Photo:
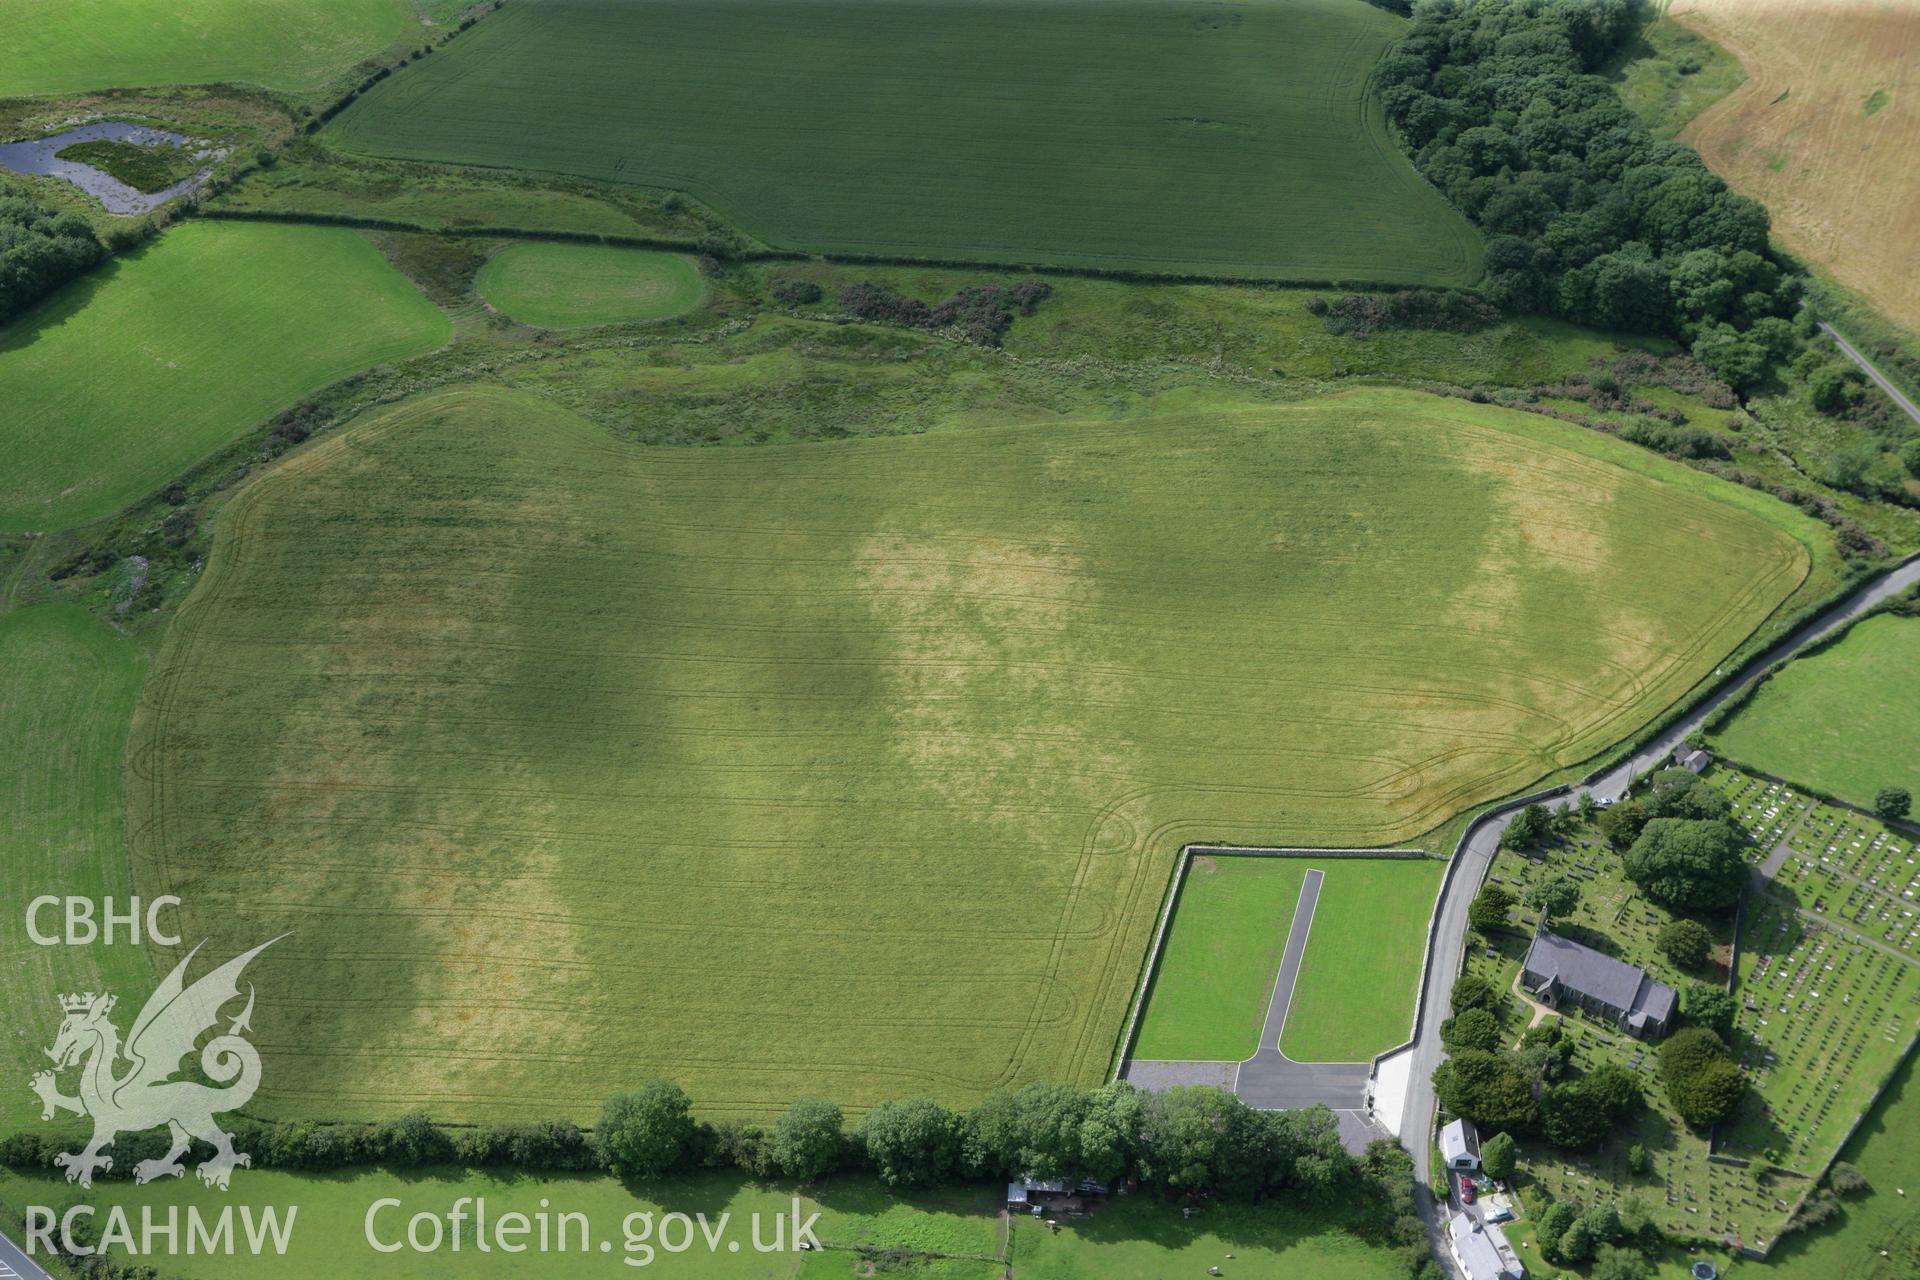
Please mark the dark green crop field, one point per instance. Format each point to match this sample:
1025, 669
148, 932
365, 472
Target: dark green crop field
1220, 139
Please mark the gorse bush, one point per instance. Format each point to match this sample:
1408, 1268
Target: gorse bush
1446, 309
982, 313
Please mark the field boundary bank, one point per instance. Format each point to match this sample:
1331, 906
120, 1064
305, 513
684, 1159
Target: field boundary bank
1150, 968
775, 254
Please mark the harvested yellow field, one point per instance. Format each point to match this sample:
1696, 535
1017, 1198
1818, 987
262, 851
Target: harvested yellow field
1824, 132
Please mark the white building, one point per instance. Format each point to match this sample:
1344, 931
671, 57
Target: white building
1482, 1250
1460, 1146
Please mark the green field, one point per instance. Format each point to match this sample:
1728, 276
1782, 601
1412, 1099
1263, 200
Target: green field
1841, 720
1878, 1237
118, 382
1154, 135
104, 44
858, 769
329, 1237
67, 688
564, 286
952, 1233
1136, 1239
1357, 982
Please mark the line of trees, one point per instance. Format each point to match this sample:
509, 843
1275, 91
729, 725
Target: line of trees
41, 249
1586, 214
1193, 1139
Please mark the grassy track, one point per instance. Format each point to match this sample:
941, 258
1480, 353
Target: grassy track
1841, 720
119, 381
1356, 989
858, 768
563, 286
107, 44
67, 688
1161, 136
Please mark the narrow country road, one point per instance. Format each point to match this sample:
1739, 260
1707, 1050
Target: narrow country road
1482, 838
15, 1263
1866, 366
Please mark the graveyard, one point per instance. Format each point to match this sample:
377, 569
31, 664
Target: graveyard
1823, 959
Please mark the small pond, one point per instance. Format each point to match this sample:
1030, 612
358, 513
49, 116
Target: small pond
40, 155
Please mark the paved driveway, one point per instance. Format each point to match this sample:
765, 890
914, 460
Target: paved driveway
1269, 1079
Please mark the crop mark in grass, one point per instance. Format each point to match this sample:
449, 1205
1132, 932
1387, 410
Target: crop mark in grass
854, 769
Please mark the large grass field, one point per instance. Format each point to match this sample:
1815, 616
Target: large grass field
105, 44
565, 286
949, 1233
1842, 720
1355, 994
1152, 135
67, 688
1136, 1239
957, 1226
119, 381
1358, 981
859, 768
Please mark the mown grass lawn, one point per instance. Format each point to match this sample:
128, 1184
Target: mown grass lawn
565, 286
105, 44
1355, 993
1841, 720
1160, 137
122, 379
1223, 948
1361, 973
67, 687
858, 768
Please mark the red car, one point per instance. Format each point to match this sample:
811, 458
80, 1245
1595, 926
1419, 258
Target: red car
1467, 1193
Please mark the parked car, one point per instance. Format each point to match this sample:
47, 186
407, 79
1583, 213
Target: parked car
1467, 1193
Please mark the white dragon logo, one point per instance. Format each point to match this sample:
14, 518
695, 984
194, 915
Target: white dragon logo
146, 1095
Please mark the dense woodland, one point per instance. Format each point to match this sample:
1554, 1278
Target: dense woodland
40, 250
1586, 215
